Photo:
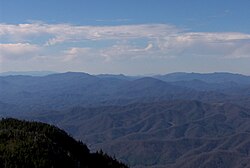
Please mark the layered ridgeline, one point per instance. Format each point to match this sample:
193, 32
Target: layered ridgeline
21, 94
174, 134
176, 120
37, 145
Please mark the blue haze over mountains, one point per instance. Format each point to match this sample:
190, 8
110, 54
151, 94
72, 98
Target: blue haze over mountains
145, 121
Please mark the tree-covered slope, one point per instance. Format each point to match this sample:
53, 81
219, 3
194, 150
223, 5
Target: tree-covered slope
37, 145
172, 134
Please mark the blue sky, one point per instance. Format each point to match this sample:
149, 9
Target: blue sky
125, 36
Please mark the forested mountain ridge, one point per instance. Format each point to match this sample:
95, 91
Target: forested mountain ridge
157, 121
33, 144
60, 91
162, 133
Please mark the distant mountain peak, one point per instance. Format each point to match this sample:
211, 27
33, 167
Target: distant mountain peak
72, 75
215, 77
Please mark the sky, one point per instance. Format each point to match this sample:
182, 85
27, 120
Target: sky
133, 37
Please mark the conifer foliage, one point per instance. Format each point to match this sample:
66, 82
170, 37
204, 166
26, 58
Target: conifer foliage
32, 144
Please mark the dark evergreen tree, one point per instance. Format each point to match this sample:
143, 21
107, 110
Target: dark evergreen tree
32, 144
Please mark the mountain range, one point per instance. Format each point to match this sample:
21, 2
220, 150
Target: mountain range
175, 120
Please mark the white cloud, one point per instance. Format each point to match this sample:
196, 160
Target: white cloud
74, 53
159, 41
150, 46
242, 51
67, 32
204, 44
126, 51
17, 51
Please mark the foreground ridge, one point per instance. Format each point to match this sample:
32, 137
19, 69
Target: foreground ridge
39, 145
